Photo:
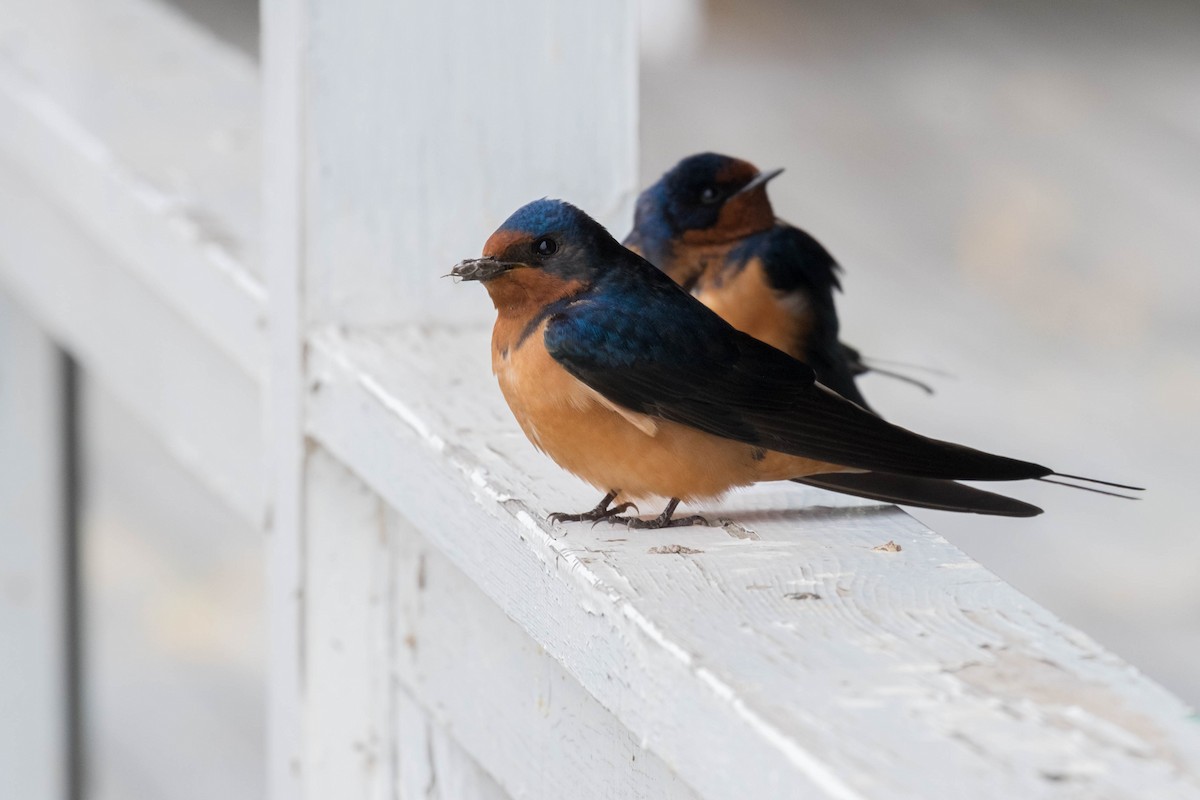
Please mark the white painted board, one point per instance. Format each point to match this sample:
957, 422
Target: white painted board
401, 645
33, 714
426, 123
787, 654
144, 131
206, 408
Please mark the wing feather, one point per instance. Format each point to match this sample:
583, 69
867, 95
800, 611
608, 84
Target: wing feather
657, 351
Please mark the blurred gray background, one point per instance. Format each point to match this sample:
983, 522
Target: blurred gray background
1014, 192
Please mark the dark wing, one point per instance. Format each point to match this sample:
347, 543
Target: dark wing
656, 350
921, 492
795, 262
829, 361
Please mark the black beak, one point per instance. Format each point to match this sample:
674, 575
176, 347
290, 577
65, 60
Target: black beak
759, 180
480, 269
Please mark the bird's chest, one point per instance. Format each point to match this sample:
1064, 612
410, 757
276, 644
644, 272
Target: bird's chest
745, 299
607, 445
688, 264
548, 402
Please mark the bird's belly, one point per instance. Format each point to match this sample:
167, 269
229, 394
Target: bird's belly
612, 448
747, 302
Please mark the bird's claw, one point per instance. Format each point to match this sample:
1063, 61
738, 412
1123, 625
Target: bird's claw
595, 515
658, 522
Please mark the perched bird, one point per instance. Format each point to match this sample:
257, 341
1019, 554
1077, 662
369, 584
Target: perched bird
708, 224
639, 389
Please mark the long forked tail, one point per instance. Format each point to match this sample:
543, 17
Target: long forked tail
936, 493
1126, 487
924, 387
860, 366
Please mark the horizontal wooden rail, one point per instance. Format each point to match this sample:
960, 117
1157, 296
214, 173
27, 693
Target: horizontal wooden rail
129, 219
811, 645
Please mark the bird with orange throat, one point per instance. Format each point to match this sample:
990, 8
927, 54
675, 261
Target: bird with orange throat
709, 224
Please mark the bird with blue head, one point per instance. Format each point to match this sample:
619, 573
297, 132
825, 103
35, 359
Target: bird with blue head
709, 224
635, 386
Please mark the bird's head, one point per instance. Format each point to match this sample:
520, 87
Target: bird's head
707, 198
544, 244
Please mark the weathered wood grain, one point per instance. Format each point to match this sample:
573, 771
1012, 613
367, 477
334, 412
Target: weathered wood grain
787, 655
509, 702
433, 765
401, 648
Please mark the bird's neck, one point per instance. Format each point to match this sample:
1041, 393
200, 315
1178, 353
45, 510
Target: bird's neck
744, 215
523, 297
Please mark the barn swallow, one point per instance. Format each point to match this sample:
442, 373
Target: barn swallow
638, 388
709, 225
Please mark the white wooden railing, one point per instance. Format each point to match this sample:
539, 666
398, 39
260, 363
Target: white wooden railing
431, 635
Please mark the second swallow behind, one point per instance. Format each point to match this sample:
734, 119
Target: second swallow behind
708, 223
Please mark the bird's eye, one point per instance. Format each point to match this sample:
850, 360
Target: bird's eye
545, 246
708, 195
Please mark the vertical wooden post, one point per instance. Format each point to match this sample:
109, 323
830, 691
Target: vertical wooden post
397, 135
426, 124
282, 193
34, 729
350, 753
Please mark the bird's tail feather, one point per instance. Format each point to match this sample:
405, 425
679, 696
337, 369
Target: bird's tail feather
924, 387
859, 365
1126, 487
944, 495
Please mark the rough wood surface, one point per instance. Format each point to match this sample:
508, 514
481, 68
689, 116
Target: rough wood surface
779, 654
402, 648
434, 766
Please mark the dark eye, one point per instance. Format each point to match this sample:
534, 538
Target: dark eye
708, 195
545, 246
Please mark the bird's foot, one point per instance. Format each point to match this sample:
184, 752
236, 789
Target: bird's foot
663, 520
595, 515
600, 512
658, 522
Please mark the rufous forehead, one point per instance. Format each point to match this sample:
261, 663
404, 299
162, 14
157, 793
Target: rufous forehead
736, 171
502, 240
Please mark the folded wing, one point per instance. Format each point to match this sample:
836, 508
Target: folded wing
921, 492
655, 350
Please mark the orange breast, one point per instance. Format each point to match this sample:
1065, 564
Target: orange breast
617, 449
747, 302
